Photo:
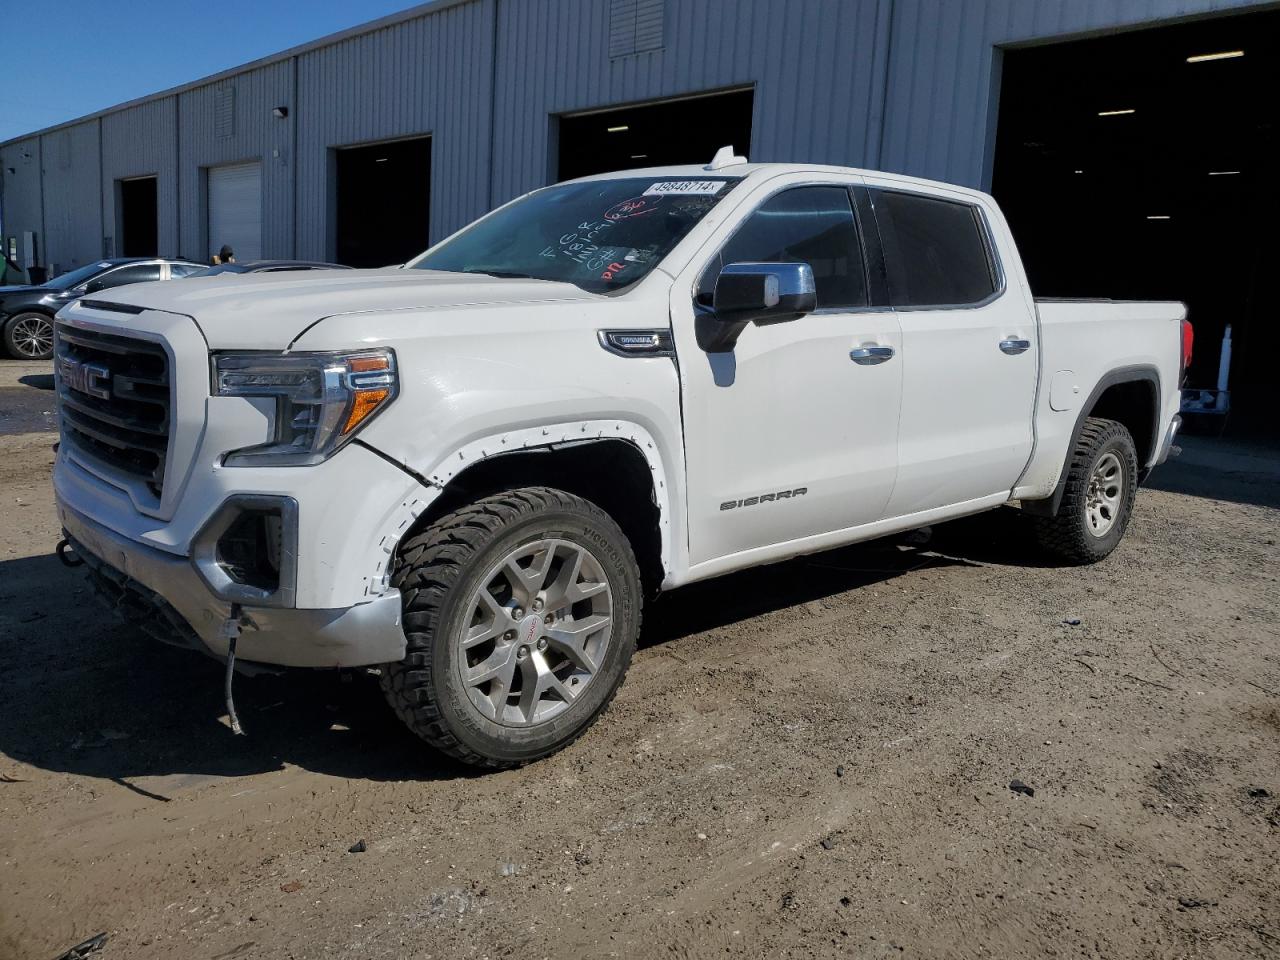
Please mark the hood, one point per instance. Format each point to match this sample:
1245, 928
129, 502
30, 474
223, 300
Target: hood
25, 288
268, 311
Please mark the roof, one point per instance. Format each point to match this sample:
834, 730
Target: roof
249, 266
413, 13
741, 171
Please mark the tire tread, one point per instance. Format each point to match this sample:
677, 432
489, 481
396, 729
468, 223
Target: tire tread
428, 566
1063, 535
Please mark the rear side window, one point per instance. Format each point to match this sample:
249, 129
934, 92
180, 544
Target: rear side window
135, 273
935, 250
812, 225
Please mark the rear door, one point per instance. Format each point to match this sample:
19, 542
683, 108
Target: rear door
788, 436
969, 350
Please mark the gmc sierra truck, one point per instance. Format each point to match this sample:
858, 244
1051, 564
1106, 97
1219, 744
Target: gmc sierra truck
469, 473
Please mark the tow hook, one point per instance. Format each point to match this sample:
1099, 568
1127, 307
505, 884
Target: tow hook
231, 631
67, 554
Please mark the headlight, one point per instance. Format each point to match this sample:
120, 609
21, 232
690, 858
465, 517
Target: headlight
322, 399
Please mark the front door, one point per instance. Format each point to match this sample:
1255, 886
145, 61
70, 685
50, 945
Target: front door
793, 432
969, 351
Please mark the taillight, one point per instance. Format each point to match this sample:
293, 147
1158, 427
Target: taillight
1188, 339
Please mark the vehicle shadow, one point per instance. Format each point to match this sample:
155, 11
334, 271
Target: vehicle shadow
1222, 469
999, 537
41, 381
89, 695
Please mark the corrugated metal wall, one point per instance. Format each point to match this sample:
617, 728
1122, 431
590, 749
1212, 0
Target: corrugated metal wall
136, 142
20, 177
251, 132
943, 78
431, 76
72, 212
813, 65
906, 85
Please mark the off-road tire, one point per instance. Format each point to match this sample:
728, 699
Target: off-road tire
27, 317
437, 572
1066, 537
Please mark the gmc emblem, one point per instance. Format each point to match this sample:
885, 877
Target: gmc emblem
91, 378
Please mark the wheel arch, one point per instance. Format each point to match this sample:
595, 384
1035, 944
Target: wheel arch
618, 469
1129, 395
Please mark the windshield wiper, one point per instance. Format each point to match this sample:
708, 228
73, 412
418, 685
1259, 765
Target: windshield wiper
506, 274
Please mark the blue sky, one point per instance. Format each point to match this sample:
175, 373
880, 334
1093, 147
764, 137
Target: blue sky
85, 55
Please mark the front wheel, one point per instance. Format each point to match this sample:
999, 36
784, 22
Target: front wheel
29, 336
521, 613
1102, 481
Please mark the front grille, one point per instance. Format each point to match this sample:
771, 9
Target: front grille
127, 430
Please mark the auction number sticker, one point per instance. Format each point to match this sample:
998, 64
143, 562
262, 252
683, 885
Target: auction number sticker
687, 188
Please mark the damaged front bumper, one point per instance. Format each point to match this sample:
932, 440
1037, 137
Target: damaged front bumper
165, 595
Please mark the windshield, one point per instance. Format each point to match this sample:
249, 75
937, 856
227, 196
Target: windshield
71, 278
601, 235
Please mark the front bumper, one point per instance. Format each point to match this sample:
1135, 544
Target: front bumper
360, 635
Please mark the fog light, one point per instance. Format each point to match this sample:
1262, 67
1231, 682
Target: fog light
247, 552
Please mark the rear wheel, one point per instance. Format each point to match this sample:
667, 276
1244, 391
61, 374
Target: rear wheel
1102, 481
521, 613
29, 336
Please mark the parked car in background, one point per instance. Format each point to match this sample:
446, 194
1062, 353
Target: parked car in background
26, 312
267, 266
471, 473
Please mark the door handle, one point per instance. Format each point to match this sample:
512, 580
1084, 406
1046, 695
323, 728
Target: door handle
1015, 347
868, 356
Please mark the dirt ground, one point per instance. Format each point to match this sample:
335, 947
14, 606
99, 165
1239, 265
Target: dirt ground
808, 760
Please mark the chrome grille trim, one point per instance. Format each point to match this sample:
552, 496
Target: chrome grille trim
128, 431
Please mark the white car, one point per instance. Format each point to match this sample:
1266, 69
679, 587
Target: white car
471, 472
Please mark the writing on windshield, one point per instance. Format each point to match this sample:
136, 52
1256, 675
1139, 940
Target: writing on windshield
600, 235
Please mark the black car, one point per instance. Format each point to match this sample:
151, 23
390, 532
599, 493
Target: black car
26, 313
267, 266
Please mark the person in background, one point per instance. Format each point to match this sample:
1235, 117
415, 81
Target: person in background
226, 254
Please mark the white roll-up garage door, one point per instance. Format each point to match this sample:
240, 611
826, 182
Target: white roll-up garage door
235, 210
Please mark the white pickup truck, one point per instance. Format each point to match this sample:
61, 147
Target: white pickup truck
470, 472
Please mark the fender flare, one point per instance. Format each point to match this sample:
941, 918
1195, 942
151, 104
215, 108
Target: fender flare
545, 436
1135, 373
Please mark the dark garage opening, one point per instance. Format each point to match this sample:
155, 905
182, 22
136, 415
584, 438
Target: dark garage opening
1142, 165
383, 202
690, 130
139, 220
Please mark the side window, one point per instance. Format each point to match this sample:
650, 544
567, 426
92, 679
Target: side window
813, 225
136, 273
179, 270
935, 250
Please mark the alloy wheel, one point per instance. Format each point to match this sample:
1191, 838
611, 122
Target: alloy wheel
537, 631
32, 336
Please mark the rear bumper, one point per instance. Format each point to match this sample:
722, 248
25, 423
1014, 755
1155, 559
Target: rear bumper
168, 584
1166, 442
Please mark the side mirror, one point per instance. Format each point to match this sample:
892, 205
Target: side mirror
94, 285
759, 293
